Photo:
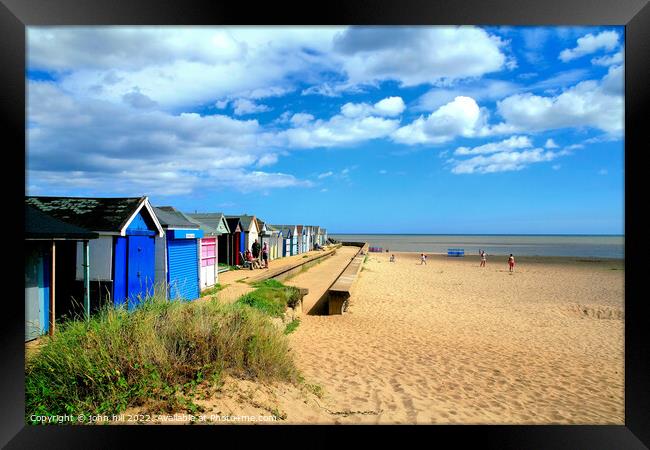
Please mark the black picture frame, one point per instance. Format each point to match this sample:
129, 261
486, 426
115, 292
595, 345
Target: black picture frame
16, 15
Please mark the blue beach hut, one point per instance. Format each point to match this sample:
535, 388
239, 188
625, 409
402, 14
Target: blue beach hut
177, 254
122, 259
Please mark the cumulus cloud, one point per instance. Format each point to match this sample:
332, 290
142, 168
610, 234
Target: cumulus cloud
550, 143
357, 122
479, 90
244, 106
606, 40
325, 175
418, 55
389, 107
460, 117
114, 148
616, 58
502, 161
512, 143
587, 104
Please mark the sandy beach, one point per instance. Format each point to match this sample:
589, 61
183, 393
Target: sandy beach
451, 342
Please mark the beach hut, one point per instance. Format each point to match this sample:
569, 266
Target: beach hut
269, 235
236, 246
275, 242
308, 238
122, 259
289, 239
249, 231
214, 245
177, 254
300, 239
43, 236
323, 236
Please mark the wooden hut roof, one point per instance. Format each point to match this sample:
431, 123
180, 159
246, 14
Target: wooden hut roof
109, 214
39, 225
170, 217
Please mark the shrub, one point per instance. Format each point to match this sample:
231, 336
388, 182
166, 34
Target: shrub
119, 359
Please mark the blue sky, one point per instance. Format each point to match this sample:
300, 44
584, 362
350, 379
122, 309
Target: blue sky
357, 129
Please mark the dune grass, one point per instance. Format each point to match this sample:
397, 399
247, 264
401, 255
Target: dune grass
271, 297
212, 290
119, 359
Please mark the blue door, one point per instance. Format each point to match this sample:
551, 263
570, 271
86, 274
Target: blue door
140, 271
183, 267
242, 244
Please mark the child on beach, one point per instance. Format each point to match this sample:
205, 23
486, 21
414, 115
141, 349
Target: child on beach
511, 262
423, 259
483, 258
392, 258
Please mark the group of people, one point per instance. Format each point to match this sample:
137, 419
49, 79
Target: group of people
254, 256
511, 260
482, 254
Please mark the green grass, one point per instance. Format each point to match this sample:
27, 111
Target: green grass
212, 290
291, 326
156, 354
271, 297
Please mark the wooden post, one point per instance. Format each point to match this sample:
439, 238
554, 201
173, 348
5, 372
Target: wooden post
52, 288
86, 266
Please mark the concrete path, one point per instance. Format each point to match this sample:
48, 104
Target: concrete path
235, 280
320, 277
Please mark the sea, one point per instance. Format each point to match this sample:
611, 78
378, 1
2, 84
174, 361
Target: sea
586, 246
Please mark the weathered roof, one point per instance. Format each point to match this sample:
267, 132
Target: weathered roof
245, 220
286, 229
170, 217
209, 222
233, 222
39, 225
97, 214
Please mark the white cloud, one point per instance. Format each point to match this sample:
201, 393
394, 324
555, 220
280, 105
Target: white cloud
479, 90
587, 104
299, 119
388, 107
502, 161
418, 55
113, 148
616, 58
325, 175
356, 123
267, 160
512, 143
607, 40
460, 117
556, 166
550, 143
221, 104
324, 190
244, 106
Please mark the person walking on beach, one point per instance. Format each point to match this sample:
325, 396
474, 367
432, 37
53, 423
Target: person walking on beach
423, 259
265, 256
392, 258
511, 262
256, 249
483, 258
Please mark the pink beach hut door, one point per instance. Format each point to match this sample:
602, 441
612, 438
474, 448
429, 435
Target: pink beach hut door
208, 262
